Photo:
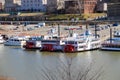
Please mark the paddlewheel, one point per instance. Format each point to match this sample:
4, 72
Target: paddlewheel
69, 48
47, 47
29, 45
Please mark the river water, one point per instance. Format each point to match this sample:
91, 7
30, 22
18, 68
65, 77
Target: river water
23, 64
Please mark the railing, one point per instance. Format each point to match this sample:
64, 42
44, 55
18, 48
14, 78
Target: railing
64, 21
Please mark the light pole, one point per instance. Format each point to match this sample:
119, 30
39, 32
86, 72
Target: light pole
95, 30
110, 35
58, 31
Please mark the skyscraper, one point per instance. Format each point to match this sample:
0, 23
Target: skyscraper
33, 5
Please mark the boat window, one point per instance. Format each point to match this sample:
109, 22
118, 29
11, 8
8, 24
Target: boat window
81, 46
16, 40
50, 41
81, 42
21, 40
11, 39
95, 40
111, 46
71, 42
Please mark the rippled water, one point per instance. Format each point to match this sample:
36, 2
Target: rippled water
35, 65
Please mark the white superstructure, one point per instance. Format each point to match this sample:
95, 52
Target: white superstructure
16, 41
84, 42
113, 43
33, 43
1, 40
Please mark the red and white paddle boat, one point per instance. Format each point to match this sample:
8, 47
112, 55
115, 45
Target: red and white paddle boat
33, 43
52, 45
84, 42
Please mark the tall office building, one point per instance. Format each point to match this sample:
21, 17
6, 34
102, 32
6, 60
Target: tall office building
33, 5
11, 5
114, 10
1, 6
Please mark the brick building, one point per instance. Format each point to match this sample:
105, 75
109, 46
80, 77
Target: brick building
80, 6
1, 7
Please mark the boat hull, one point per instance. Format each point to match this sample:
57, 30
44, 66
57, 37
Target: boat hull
32, 45
110, 49
14, 43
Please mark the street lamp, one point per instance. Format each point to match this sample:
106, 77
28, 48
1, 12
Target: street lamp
110, 35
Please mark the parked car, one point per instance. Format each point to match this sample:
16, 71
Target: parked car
41, 24
115, 24
66, 28
29, 29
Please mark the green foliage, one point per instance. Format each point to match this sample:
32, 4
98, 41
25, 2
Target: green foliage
64, 16
70, 16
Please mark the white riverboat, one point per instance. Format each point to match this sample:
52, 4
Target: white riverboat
112, 43
1, 39
16, 41
84, 42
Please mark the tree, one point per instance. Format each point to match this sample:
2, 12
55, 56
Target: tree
68, 70
80, 6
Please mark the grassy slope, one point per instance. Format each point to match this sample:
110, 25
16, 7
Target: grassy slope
69, 16
61, 16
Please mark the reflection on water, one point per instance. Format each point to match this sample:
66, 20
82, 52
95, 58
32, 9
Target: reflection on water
32, 65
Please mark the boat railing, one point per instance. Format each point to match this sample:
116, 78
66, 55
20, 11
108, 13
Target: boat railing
111, 43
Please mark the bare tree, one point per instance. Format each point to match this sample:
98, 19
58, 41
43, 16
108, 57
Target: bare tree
80, 5
67, 70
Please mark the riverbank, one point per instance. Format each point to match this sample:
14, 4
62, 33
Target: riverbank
31, 30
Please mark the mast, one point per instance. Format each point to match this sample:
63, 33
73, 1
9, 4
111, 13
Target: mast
58, 31
110, 35
95, 30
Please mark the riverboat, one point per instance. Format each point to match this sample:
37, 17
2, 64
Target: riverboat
112, 44
86, 41
52, 45
1, 39
16, 41
33, 43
